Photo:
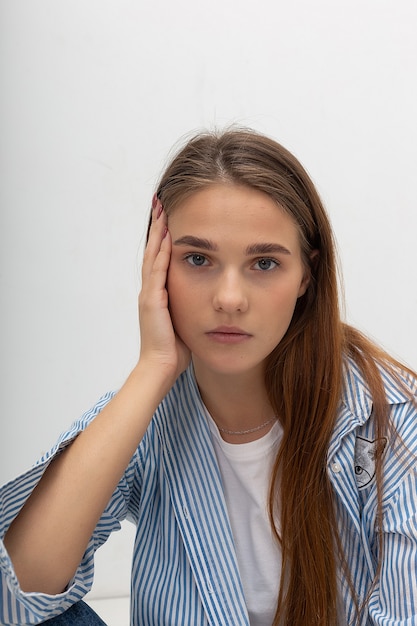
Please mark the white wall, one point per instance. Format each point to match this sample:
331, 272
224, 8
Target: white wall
93, 95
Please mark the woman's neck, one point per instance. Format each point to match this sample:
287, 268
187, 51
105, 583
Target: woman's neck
237, 403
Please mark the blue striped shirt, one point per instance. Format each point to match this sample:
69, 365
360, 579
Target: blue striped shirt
184, 569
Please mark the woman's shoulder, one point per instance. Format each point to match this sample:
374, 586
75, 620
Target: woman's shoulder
399, 386
399, 381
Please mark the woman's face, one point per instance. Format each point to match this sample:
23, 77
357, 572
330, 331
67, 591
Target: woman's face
235, 275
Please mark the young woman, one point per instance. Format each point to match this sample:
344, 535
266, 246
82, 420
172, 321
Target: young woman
264, 449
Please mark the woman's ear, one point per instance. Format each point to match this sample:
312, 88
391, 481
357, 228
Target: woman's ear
309, 272
314, 260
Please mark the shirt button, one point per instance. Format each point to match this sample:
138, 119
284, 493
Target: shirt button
336, 468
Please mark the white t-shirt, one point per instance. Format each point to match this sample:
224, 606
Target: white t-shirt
246, 471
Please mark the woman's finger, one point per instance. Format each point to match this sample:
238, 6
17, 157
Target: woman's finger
156, 235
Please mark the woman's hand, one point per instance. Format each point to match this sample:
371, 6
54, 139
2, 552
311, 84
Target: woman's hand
160, 345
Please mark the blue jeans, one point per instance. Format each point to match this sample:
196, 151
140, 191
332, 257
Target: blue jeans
79, 614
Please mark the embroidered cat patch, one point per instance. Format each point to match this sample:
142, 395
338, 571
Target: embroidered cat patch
365, 453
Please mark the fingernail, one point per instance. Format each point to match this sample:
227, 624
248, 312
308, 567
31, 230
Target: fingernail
154, 200
165, 232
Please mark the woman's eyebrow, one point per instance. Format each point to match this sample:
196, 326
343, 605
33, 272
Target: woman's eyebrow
195, 242
266, 248
255, 248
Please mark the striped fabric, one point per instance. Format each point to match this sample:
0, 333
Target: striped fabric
184, 569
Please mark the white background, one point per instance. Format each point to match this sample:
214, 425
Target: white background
93, 95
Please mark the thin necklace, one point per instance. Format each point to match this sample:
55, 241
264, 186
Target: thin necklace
246, 432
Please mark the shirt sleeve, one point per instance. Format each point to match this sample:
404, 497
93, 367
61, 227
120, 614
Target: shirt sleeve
18, 607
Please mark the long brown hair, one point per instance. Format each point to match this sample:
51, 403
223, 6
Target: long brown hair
304, 374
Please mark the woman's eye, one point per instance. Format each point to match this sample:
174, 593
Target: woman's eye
266, 264
196, 259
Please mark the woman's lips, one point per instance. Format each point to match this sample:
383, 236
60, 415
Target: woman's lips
228, 334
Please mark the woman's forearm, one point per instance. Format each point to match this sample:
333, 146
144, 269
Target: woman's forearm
48, 538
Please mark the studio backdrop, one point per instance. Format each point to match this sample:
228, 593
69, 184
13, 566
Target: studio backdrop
94, 94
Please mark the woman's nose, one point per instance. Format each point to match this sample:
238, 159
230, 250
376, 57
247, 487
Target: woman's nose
230, 294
